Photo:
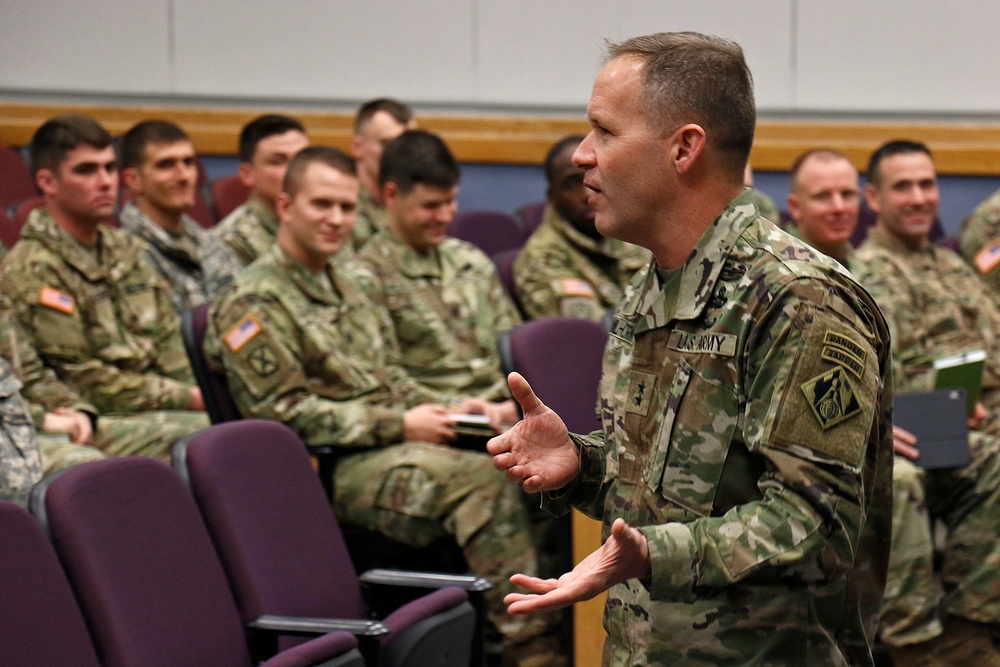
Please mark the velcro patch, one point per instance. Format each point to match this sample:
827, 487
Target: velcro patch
640, 392
721, 344
242, 333
263, 361
623, 329
53, 298
988, 257
576, 287
831, 397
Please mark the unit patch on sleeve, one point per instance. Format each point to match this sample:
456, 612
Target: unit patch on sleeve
831, 397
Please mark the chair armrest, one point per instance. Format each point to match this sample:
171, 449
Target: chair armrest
435, 580
296, 625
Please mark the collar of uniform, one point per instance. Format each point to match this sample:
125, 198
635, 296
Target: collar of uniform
701, 270
182, 249
846, 251
118, 252
411, 263
606, 247
305, 278
268, 219
882, 239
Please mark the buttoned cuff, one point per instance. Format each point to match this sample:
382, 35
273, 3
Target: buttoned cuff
673, 558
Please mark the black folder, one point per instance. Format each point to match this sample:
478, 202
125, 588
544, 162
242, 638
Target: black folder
938, 419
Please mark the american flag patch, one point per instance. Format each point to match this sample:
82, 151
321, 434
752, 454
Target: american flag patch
576, 287
57, 300
987, 258
242, 333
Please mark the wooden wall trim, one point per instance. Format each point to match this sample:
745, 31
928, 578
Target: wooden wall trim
959, 148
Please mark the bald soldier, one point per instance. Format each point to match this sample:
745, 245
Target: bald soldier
567, 268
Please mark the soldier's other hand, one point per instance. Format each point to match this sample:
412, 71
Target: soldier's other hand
74, 423
197, 402
979, 414
625, 555
904, 443
537, 452
428, 423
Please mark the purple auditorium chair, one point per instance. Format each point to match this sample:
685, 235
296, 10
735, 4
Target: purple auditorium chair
24, 209
16, 182
40, 621
283, 551
560, 357
531, 216
146, 575
219, 402
490, 231
504, 263
228, 193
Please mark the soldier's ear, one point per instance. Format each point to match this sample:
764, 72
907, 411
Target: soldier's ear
687, 144
131, 179
282, 204
45, 179
246, 174
390, 191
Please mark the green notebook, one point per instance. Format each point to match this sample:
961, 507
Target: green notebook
964, 371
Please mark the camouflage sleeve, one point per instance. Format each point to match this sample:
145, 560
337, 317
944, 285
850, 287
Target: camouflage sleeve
255, 339
817, 415
61, 341
20, 459
219, 265
548, 287
979, 240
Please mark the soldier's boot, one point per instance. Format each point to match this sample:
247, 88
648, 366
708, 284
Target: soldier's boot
966, 643
921, 654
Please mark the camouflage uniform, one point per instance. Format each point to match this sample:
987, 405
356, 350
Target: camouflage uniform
935, 307
563, 272
765, 206
746, 430
313, 352
20, 460
370, 219
448, 309
249, 230
106, 329
979, 240
180, 260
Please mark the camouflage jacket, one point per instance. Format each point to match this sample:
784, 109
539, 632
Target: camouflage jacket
20, 460
936, 306
249, 230
369, 221
41, 388
746, 431
319, 357
448, 309
106, 327
563, 272
979, 240
178, 259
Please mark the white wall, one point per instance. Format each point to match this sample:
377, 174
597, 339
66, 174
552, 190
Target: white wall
891, 57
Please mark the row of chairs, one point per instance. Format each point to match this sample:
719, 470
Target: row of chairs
143, 569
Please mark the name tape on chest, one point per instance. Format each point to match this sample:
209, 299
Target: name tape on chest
242, 333
721, 344
57, 300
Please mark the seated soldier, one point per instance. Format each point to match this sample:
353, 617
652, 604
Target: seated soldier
20, 460
979, 241
935, 306
267, 143
377, 122
301, 344
159, 167
567, 268
447, 305
87, 303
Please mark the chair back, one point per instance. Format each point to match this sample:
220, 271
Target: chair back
219, 403
145, 572
40, 621
490, 231
561, 358
16, 182
504, 264
531, 215
228, 193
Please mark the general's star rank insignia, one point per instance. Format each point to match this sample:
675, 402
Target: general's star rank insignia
263, 361
831, 397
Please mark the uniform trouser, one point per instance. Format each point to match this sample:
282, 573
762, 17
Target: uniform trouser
416, 493
151, 433
967, 501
